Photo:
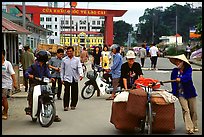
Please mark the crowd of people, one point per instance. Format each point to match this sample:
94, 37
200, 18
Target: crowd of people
67, 70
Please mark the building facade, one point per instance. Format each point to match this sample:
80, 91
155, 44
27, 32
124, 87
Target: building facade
61, 23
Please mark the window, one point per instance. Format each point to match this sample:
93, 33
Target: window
98, 22
55, 33
67, 22
62, 22
48, 26
48, 19
51, 41
55, 26
41, 18
55, 19
93, 22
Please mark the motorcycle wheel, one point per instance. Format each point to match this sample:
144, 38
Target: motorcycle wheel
87, 91
47, 118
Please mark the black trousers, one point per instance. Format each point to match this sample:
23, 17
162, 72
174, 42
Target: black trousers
153, 61
74, 94
59, 90
142, 61
25, 81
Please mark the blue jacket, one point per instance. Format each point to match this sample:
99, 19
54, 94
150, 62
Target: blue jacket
189, 90
116, 67
37, 71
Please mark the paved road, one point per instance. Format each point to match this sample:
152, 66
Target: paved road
92, 116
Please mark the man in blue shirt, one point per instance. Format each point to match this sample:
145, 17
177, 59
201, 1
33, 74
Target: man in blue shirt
39, 69
115, 69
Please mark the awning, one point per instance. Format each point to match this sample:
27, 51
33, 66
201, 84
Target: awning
10, 27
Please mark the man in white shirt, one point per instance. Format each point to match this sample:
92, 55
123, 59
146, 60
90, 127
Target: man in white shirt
8, 81
153, 55
71, 72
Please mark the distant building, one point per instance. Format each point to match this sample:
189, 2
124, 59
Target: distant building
82, 38
165, 40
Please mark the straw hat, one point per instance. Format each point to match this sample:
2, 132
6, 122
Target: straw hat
181, 57
130, 54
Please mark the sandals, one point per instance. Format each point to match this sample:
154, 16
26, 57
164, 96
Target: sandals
190, 132
57, 119
4, 117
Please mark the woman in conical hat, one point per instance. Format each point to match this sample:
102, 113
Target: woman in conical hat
182, 57
184, 89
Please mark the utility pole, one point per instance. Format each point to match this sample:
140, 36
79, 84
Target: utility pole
24, 24
153, 27
87, 24
70, 23
64, 26
176, 31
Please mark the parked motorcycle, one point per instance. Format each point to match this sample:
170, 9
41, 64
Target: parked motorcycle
97, 82
43, 106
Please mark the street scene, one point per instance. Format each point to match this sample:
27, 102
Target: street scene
102, 68
92, 116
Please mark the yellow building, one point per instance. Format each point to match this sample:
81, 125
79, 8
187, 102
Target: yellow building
83, 38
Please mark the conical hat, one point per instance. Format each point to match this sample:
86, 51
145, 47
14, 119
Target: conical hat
180, 57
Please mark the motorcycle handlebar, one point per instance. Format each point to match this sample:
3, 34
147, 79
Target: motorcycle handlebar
42, 79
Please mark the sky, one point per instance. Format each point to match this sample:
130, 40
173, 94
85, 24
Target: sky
135, 9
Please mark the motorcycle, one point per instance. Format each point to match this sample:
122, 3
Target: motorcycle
97, 82
43, 106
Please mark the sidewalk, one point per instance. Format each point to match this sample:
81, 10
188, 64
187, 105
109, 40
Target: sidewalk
21, 94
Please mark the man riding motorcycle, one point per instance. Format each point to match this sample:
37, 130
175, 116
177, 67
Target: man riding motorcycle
38, 69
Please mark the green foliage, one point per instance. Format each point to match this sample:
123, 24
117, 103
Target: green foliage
173, 51
121, 30
163, 22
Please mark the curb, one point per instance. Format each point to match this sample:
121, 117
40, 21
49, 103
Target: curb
192, 62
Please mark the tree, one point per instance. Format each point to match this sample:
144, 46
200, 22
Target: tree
120, 31
164, 21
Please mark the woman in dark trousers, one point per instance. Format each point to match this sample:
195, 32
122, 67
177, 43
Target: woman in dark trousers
96, 60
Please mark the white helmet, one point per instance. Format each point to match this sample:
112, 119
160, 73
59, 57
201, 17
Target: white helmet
130, 54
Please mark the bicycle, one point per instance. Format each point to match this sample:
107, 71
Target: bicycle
146, 123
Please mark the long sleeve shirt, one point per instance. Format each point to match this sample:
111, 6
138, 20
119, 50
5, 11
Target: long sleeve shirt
38, 71
71, 69
188, 89
116, 67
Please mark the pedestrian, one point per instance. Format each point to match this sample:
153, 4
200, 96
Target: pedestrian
184, 89
21, 49
142, 54
38, 69
153, 55
55, 65
8, 80
71, 73
115, 69
27, 59
188, 51
130, 71
97, 59
122, 51
84, 56
106, 57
